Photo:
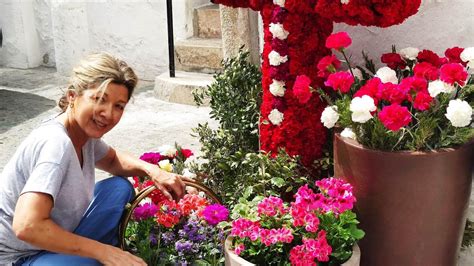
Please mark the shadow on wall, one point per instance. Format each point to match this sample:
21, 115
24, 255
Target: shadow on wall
17, 107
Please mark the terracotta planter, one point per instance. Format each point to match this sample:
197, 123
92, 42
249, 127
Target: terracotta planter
231, 259
411, 205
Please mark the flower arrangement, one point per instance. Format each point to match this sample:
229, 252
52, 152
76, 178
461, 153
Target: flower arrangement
419, 101
294, 32
314, 228
167, 232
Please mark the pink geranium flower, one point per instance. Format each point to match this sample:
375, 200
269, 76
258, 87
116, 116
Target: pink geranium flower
395, 116
453, 73
340, 81
301, 89
338, 41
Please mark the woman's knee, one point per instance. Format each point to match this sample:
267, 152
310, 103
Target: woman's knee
117, 186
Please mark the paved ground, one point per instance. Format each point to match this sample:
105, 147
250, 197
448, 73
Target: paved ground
29, 96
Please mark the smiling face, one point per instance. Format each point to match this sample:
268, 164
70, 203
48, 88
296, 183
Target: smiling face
97, 111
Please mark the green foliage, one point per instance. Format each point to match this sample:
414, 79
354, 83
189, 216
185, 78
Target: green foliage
233, 165
235, 99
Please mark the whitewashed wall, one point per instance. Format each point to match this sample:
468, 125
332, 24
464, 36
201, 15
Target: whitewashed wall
60, 32
439, 24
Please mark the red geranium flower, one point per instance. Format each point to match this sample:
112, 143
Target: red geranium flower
453, 73
338, 41
168, 214
301, 89
393, 61
395, 116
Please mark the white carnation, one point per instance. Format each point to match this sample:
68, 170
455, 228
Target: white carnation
409, 53
348, 133
436, 87
467, 54
357, 73
330, 116
279, 3
276, 117
278, 31
345, 2
459, 112
277, 88
276, 59
187, 173
361, 108
190, 160
167, 150
387, 74
145, 201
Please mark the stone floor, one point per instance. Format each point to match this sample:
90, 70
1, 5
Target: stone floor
29, 96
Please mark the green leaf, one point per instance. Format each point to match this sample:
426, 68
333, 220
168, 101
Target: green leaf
278, 181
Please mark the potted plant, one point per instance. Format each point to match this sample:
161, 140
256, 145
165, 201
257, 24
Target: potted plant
317, 228
165, 232
406, 147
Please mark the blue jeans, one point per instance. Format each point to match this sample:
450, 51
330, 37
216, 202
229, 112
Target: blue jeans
100, 222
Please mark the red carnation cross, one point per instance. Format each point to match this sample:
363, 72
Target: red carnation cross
307, 23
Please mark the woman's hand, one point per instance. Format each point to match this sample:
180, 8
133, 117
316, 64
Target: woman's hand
115, 256
171, 185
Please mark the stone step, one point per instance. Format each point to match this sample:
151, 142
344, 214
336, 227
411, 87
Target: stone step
207, 21
199, 55
179, 89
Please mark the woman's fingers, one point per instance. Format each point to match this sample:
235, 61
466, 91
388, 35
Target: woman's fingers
164, 190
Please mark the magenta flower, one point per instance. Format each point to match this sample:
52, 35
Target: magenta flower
301, 89
145, 211
453, 73
271, 206
338, 41
215, 213
340, 81
151, 157
395, 116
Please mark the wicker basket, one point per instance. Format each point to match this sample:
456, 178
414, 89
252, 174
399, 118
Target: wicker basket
145, 192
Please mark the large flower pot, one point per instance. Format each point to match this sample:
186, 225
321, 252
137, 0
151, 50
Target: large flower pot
411, 205
232, 259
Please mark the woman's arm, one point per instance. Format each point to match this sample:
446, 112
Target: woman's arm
32, 224
123, 164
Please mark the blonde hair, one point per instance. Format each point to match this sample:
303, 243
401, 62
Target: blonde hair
98, 71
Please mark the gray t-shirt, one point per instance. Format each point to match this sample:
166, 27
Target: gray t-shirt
47, 162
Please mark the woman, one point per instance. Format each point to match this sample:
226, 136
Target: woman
51, 213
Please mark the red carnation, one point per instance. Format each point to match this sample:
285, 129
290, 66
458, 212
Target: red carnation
453, 73
429, 57
186, 153
372, 88
426, 70
394, 93
327, 65
338, 41
422, 101
395, 116
341, 81
301, 89
393, 61
454, 55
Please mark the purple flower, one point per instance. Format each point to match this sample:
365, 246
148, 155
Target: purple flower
153, 239
215, 214
151, 157
168, 237
185, 247
145, 211
194, 231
